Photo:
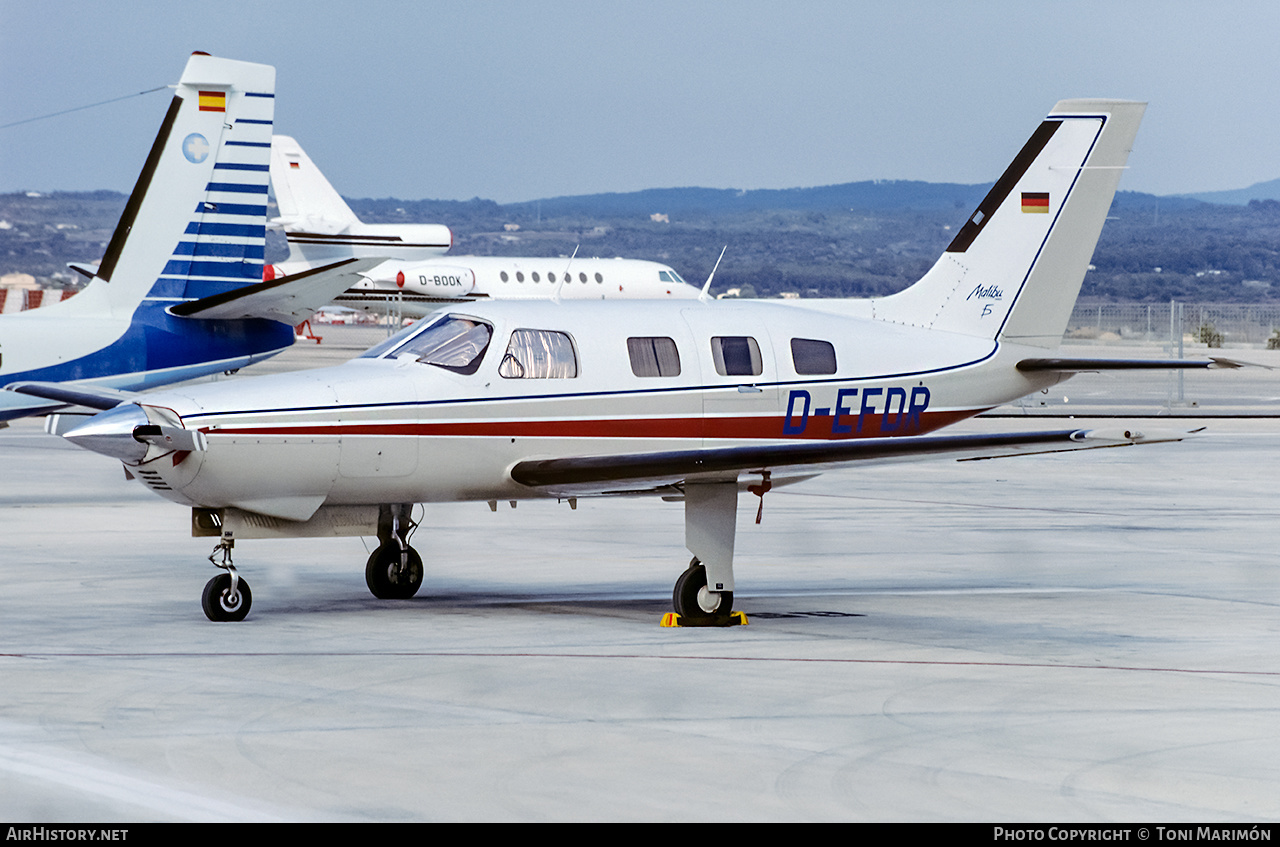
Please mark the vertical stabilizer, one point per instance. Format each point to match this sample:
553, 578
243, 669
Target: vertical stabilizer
307, 201
320, 226
1014, 269
195, 223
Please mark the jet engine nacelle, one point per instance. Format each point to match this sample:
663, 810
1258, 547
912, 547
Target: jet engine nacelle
428, 278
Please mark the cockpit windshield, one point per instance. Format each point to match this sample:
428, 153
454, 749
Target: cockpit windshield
453, 342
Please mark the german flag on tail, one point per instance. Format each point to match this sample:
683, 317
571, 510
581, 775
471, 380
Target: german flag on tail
1035, 202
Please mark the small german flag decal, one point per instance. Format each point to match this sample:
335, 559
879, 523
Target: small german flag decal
216, 101
1035, 202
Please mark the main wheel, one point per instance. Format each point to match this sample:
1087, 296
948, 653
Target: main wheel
694, 601
218, 602
386, 579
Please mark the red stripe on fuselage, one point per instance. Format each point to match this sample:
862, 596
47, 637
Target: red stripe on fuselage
817, 427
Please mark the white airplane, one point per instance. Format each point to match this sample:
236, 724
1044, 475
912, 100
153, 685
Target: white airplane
694, 401
321, 228
179, 293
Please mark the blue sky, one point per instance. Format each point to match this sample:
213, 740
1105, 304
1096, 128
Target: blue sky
519, 100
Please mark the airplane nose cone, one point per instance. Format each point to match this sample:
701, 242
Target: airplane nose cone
111, 434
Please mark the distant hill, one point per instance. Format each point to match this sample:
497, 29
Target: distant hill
882, 196
1241, 196
871, 195
853, 240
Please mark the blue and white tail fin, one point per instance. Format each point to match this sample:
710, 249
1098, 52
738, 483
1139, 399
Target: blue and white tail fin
1014, 269
195, 224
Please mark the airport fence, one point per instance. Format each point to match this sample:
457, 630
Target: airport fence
1217, 324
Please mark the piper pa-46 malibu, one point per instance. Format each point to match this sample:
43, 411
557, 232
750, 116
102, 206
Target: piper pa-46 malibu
692, 400
322, 229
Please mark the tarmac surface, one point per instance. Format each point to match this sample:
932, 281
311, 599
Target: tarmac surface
1079, 637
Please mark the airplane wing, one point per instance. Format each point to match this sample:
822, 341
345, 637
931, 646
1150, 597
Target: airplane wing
658, 471
1086, 365
289, 299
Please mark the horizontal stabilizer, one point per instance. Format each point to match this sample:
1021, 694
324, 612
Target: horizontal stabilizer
1071, 365
648, 471
289, 299
88, 270
89, 396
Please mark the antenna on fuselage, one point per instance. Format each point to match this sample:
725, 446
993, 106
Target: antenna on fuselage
565, 278
706, 289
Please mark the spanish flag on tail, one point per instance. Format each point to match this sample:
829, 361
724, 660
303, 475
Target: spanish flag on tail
213, 101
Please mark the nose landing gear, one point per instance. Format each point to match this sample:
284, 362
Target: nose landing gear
226, 597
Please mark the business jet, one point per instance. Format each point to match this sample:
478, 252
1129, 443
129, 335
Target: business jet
179, 292
417, 277
697, 401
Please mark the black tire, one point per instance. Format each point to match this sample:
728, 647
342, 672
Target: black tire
685, 597
385, 579
218, 606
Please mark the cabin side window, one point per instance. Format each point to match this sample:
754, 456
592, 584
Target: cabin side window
539, 354
736, 355
653, 357
813, 357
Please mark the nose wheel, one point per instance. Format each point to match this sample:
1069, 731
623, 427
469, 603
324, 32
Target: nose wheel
226, 598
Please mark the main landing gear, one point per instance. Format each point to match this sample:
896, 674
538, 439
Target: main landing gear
695, 604
394, 570
703, 595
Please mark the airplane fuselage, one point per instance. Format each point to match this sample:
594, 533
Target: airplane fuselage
629, 377
417, 288
501, 277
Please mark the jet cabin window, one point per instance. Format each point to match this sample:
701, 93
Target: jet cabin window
539, 354
653, 357
736, 355
453, 342
813, 357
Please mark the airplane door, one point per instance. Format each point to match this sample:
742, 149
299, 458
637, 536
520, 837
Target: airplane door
374, 449
739, 374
